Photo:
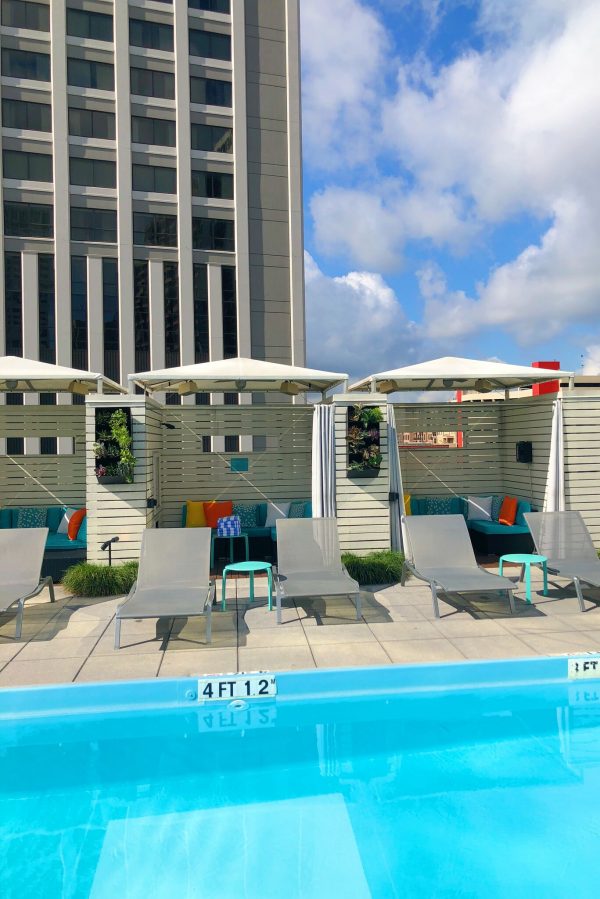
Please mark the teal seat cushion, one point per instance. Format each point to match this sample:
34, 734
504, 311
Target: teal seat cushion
261, 514
62, 542
54, 516
259, 532
494, 527
6, 518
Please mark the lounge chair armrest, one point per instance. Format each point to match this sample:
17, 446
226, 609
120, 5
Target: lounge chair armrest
211, 594
416, 574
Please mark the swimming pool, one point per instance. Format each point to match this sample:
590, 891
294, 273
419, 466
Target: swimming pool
478, 779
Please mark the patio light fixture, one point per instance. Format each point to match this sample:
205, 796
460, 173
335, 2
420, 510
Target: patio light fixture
187, 388
290, 388
240, 385
78, 388
12, 385
388, 386
484, 386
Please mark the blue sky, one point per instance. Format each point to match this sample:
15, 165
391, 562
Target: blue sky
452, 181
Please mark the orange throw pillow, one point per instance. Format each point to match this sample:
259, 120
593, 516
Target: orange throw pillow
75, 523
214, 510
508, 510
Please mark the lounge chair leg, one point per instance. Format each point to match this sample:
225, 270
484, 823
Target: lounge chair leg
117, 633
278, 602
434, 596
403, 575
209, 624
511, 601
358, 607
19, 624
577, 584
50, 584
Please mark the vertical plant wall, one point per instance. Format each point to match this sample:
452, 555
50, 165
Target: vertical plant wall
363, 439
114, 461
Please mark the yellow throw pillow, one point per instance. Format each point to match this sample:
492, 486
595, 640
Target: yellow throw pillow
195, 517
407, 503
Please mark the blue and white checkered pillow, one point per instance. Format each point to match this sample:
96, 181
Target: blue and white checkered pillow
229, 526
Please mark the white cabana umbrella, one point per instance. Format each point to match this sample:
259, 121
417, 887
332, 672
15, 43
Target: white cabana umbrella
454, 373
30, 376
238, 375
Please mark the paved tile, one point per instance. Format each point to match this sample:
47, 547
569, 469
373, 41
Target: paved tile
39, 671
462, 625
343, 633
67, 648
415, 651
496, 647
123, 667
273, 637
404, 630
349, 655
8, 650
63, 625
276, 659
206, 661
558, 643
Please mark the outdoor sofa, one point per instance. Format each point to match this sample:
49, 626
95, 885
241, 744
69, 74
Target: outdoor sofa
488, 537
60, 552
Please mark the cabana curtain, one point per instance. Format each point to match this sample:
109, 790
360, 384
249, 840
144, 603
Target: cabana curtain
396, 486
554, 500
323, 462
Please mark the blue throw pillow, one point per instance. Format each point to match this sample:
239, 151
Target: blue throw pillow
297, 509
439, 505
522, 507
31, 517
248, 515
496, 506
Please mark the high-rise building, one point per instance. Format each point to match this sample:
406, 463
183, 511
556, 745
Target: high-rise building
151, 182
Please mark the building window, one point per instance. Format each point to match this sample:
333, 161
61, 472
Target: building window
25, 64
210, 5
213, 234
171, 298
203, 399
215, 185
48, 445
157, 179
15, 446
19, 14
153, 229
13, 304
232, 444
88, 73
141, 314
230, 344
26, 116
150, 83
212, 138
95, 25
151, 35
206, 441
92, 172
209, 44
28, 220
156, 132
201, 332
27, 166
110, 310
210, 91
46, 308
92, 123
231, 399
79, 317
93, 225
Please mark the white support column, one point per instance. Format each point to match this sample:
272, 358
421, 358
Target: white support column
124, 190
95, 319
246, 442
215, 333
60, 153
31, 331
184, 182
296, 225
240, 152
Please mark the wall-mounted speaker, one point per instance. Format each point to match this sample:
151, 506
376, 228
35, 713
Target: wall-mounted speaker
524, 451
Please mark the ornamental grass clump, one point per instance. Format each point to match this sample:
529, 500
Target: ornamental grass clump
85, 579
384, 567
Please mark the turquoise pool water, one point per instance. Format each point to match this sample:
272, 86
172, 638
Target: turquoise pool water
471, 781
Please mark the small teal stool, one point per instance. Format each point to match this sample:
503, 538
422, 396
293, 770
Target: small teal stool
249, 568
526, 560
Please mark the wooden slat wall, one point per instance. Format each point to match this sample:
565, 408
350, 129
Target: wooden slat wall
43, 480
526, 419
281, 472
582, 459
363, 509
451, 471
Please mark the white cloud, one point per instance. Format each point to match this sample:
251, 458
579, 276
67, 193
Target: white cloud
355, 323
591, 361
344, 48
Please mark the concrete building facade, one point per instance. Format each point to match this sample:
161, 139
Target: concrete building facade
151, 182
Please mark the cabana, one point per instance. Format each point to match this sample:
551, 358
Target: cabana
18, 375
485, 460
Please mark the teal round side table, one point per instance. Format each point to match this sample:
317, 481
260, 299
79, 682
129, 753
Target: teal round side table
249, 568
526, 560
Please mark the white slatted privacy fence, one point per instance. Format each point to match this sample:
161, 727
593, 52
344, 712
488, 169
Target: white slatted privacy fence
36, 480
582, 459
279, 467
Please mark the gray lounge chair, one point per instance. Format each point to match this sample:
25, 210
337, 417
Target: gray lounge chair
565, 541
21, 557
173, 578
309, 562
440, 552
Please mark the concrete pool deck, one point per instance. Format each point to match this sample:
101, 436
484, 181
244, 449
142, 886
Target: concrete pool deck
72, 639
